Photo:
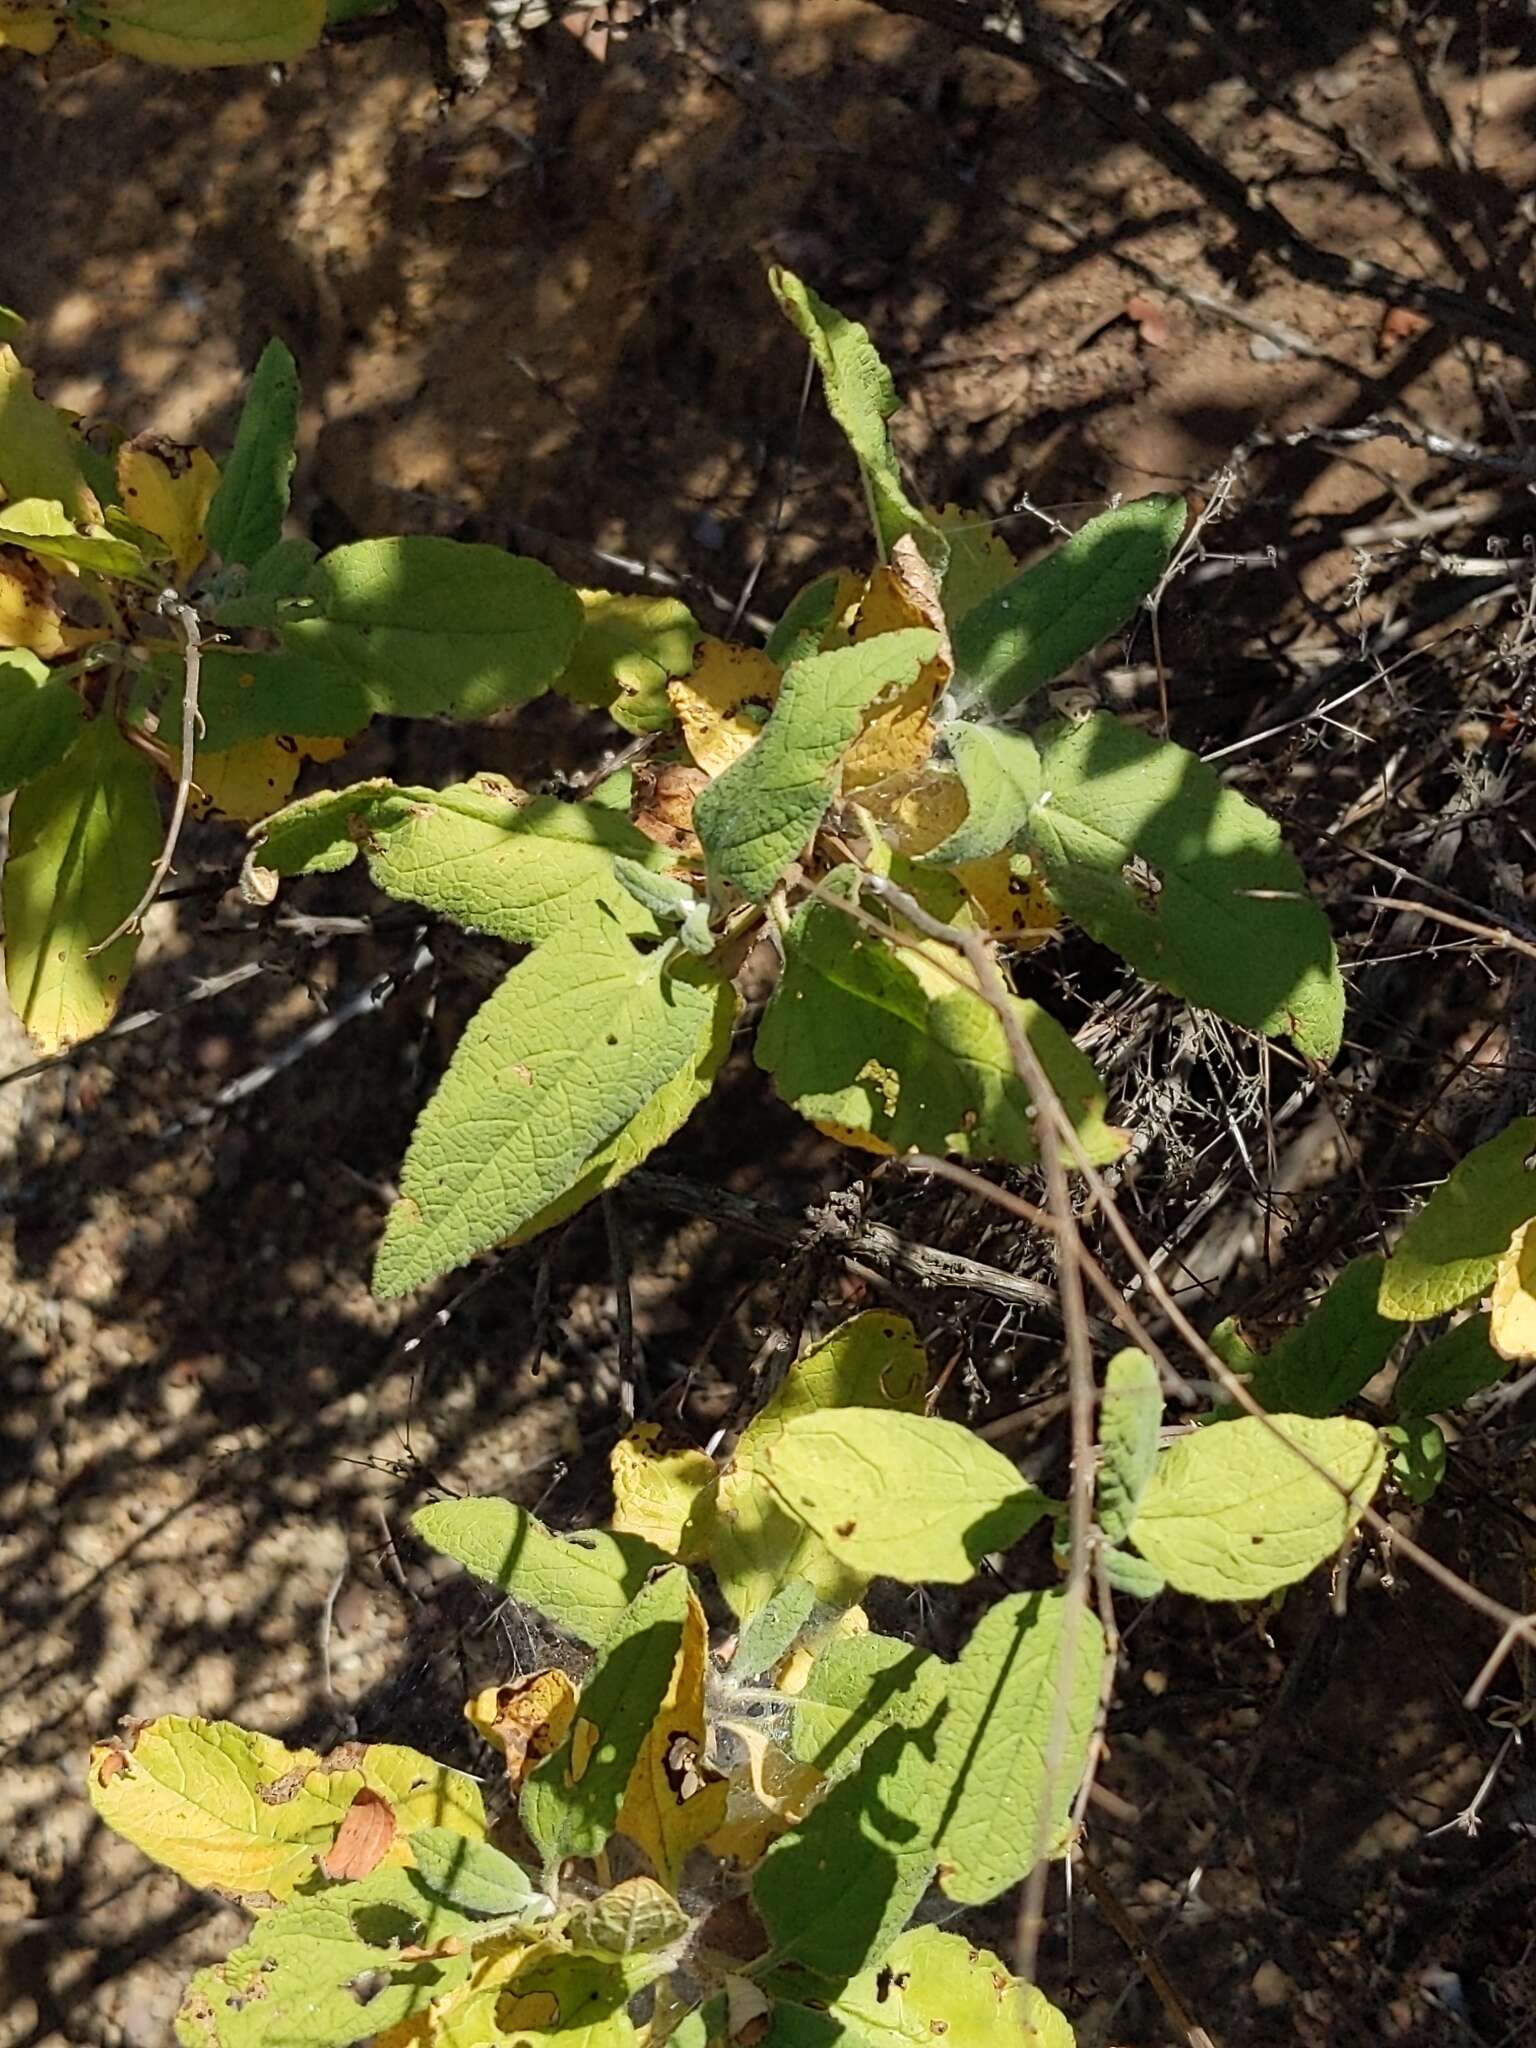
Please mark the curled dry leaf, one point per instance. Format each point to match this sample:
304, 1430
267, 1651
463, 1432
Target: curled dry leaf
662, 804
526, 1719
363, 1839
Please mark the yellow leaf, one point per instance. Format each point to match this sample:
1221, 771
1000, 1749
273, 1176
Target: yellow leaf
1008, 898
722, 705
655, 1486
845, 611
768, 1793
33, 30
1512, 1321
980, 561
674, 1799
527, 1719
29, 617
897, 736
39, 456
167, 490
254, 777
920, 814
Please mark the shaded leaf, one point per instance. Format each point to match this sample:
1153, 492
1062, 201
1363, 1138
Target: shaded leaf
39, 456
581, 1583
1450, 1370
1031, 630
1129, 1421
40, 718
772, 1630
675, 1799
980, 560
1416, 1456
206, 34
1234, 1513
475, 1878
246, 696
629, 650
1001, 775
45, 530
1451, 1250
755, 818
245, 518
526, 1719
633, 1918
429, 625
263, 595
858, 1687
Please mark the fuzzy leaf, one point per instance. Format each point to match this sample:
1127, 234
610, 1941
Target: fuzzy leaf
169, 489
84, 836
995, 1815
1450, 1370
581, 1583
629, 650
40, 718
1234, 1514
570, 1804
1034, 628
636, 1917
481, 852
205, 34
45, 530
1317, 1368
810, 615
245, 518
1451, 1250
1000, 772
755, 818
475, 1878
857, 1687
861, 397
39, 456
980, 561
771, 1632
932, 1985
570, 1048
674, 1800
1129, 1420
909, 1496
656, 1486
429, 625
891, 1049
1114, 797
229, 1807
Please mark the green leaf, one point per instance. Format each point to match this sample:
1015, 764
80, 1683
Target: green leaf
571, 1801
474, 1878
907, 1496
1451, 1250
756, 817
44, 529
39, 456
996, 1815
892, 1048
1129, 1421
11, 324
636, 1917
481, 852
429, 626
771, 1631
835, 1893
1450, 1370
1185, 914
1234, 1513
861, 397
574, 1044
858, 1687
84, 836
207, 34
245, 519
931, 1985
629, 650
1344, 1343
581, 1583
243, 695
530, 1995
1002, 778
261, 596
296, 1980
40, 718
753, 1543
1035, 627
809, 617
1416, 1456
980, 560
1128, 1573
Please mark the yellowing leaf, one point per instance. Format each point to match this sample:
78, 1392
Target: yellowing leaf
527, 1719
655, 1488
629, 651
980, 560
1452, 1250
1008, 899
84, 836
674, 1798
254, 777
232, 1809
39, 457
932, 1986
44, 529
634, 1918
897, 733
723, 704
207, 34
29, 616
33, 30
167, 489
1512, 1317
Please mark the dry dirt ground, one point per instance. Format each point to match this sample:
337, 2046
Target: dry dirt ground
527, 297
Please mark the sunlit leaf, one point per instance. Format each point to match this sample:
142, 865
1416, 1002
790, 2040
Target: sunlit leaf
895, 737
931, 1985
723, 705
429, 625
1451, 1250
527, 1719
34, 31
656, 1485
245, 517
581, 1583
44, 529
570, 1804
633, 1918
1129, 1420
1234, 1513
859, 1686
674, 1799
84, 835
1033, 629
30, 616
39, 456
570, 1048
809, 617
253, 777
1450, 1370
629, 651
1512, 1306
169, 489
40, 718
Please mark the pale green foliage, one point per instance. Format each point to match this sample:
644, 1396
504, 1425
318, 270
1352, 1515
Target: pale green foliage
246, 516
570, 1804
1035, 627
208, 34
474, 1878
40, 718
1001, 773
755, 818
1112, 796
636, 1918
909, 1496
1451, 1249
1344, 1343
1235, 1513
1450, 1370
858, 1687
994, 1810
773, 1628
936, 1985
44, 529
582, 1583
861, 397
575, 1042
1416, 1456
629, 650
1129, 1420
